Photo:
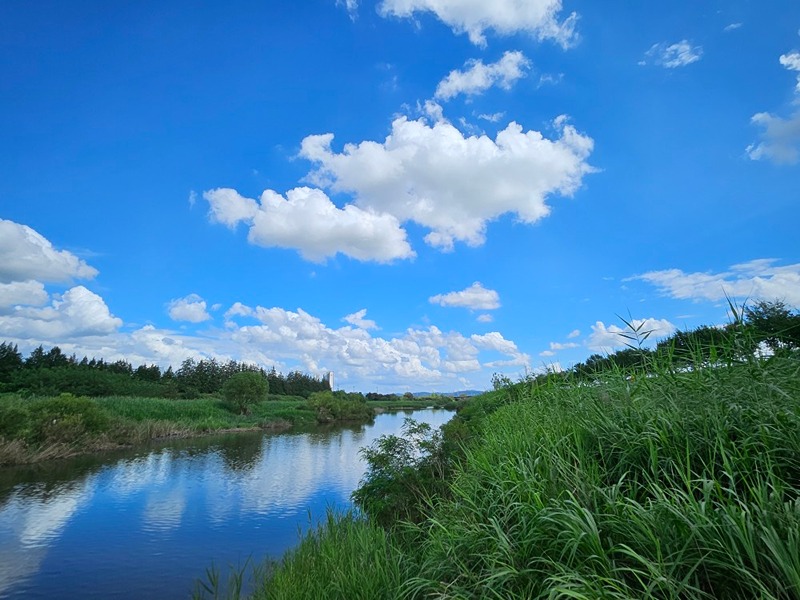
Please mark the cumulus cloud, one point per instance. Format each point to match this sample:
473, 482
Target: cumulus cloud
452, 184
30, 293
475, 297
607, 339
485, 318
780, 137
672, 56
192, 308
478, 77
757, 280
357, 319
307, 221
421, 356
539, 18
79, 322
26, 255
76, 312
573, 334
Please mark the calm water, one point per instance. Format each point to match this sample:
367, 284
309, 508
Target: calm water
147, 523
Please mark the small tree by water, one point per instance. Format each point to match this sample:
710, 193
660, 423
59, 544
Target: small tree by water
244, 389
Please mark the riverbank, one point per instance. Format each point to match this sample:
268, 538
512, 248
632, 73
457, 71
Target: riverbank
681, 483
37, 429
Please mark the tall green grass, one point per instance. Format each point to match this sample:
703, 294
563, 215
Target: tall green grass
682, 483
33, 429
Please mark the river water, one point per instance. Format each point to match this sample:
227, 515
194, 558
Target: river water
147, 523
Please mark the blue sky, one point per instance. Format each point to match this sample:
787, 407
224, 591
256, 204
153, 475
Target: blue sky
415, 194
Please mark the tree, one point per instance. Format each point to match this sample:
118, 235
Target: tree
242, 390
10, 361
774, 324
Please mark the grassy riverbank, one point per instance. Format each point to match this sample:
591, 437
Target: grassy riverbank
35, 429
684, 483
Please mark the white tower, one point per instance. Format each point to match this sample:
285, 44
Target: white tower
330, 379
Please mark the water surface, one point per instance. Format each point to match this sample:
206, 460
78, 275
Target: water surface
146, 523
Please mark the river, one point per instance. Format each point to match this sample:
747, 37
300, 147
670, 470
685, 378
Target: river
146, 523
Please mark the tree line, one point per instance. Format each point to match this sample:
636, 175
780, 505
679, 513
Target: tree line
765, 327
52, 372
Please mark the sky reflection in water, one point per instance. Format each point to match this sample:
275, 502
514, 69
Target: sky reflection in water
148, 523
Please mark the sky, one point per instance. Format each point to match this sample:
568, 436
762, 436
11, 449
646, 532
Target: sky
413, 194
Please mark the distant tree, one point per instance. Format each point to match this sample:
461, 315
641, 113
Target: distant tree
774, 323
10, 361
243, 390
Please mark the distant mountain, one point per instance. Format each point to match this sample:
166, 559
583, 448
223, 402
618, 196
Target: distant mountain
453, 394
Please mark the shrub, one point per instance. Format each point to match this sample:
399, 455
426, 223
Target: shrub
242, 390
66, 418
13, 420
403, 472
339, 406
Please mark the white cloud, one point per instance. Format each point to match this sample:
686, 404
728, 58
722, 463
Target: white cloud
757, 280
449, 183
780, 137
556, 346
675, 55
548, 79
492, 117
475, 297
547, 353
573, 334
26, 255
77, 312
733, 26
496, 342
357, 319
485, 318
29, 293
607, 339
420, 356
350, 5
79, 322
479, 77
791, 61
306, 220
538, 18
192, 308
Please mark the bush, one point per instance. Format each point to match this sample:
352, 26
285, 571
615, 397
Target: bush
242, 390
66, 418
403, 472
13, 420
339, 406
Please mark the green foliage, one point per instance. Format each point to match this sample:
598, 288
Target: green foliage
403, 471
13, 420
65, 419
51, 372
243, 390
339, 406
774, 324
